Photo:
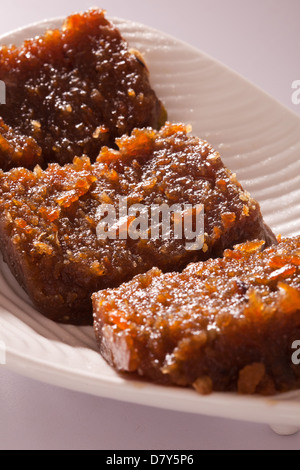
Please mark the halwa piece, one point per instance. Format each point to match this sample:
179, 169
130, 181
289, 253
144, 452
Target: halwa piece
72, 91
222, 325
49, 220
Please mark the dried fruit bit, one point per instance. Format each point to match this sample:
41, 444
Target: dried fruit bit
203, 385
222, 185
250, 247
217, 233
50, 214
255, 306
246, 211
43, 248
98, 269
283, 273
99, 131
205, 248
289, 299
280, 261
141, 140
228, 219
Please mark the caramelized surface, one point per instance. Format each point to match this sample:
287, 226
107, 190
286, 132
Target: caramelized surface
71, 91
225, 324
48, 218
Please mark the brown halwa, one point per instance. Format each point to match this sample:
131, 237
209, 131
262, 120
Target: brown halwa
72, 91
224, 325
49, 219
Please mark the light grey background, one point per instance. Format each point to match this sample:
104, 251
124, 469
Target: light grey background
261, 41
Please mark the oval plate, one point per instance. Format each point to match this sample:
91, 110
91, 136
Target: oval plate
258, 139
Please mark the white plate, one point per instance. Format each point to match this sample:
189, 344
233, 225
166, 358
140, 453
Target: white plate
258, 139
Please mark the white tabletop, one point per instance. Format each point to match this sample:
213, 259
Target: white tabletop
260, 40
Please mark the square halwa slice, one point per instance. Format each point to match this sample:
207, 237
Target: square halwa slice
49, 220
71, 91
226, 324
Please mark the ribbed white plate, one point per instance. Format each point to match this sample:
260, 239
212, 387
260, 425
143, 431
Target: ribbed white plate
258, 139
